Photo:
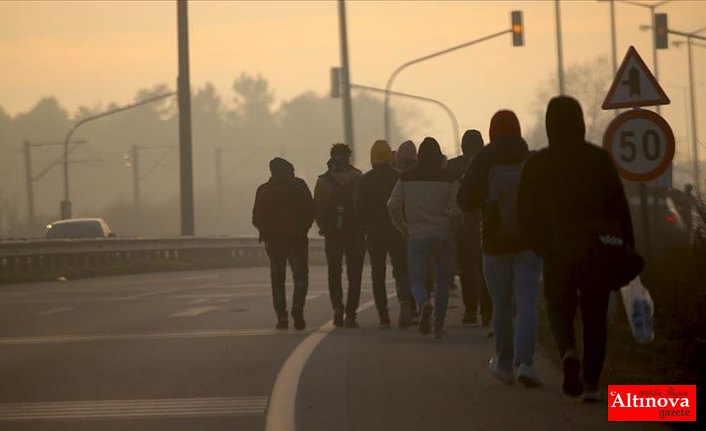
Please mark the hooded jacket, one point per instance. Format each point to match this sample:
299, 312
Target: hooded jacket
506, 147
406, 156
471, 144
283, 209
374, 189
572, 180
423, 201
343, 173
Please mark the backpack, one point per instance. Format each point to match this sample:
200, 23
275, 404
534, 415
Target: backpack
339, 214
503, 182
278, 211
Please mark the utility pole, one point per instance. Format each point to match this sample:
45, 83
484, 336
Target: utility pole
345, 75
136, 184
30, 189
184, 96
560, 50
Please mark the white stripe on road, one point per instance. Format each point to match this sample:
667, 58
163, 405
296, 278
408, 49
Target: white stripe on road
133, 408
53, 339
281, 409
195, 311
54, 311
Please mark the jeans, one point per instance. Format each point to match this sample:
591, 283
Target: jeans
565, 289
514, 277
352, 246
419, 253
379, 246
470, 265
295, 251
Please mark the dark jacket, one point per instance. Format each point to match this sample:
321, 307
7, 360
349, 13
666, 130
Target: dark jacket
572, 180
473, 193
458, 165
283, 209
324, 189
374, 189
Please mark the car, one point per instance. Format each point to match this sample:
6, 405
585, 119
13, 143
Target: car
79, 228
667, 227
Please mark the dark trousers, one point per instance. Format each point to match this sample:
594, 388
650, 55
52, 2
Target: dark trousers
565, 289
352, 246
379, 246
469, 257
296, 251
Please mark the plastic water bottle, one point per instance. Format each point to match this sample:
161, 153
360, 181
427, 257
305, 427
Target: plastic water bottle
641, 317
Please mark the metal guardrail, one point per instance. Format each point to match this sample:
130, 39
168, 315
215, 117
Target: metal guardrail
58, 254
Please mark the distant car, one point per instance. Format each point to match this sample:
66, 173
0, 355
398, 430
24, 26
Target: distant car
79, 228
667, 226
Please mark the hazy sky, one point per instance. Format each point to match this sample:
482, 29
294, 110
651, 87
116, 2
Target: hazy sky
91, 53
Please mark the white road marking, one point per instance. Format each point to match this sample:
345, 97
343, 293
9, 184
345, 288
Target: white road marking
195, 311
200, 277
213, 333
281, 409
233, 406
54, 311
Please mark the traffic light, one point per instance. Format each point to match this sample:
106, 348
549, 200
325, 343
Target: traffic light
518, 38
335, 82
661, 31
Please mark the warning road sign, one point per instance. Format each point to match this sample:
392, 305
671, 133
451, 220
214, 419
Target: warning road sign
634, 85
641, 144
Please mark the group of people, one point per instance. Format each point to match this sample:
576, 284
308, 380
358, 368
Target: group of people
493, 213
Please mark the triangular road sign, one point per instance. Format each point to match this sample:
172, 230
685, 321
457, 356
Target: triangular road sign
634, 85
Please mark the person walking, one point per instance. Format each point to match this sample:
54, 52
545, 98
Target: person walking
569, 185
422, 206
469, 255
334, 196
283, 214
382, 238
405, 156
511, 269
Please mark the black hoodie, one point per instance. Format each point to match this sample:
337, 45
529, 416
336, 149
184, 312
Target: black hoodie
572, 180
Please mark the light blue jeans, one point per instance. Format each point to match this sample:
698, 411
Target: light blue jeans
419, 253
513, 279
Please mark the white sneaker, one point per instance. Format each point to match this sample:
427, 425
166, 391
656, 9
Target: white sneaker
503, 376
527, 376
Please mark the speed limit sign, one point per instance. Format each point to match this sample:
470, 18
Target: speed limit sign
641, 144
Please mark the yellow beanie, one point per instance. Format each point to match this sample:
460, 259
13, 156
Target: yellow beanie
381, 153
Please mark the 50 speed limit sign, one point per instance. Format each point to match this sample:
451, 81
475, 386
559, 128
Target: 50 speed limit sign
641, 144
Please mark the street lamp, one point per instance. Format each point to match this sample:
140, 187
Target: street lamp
454, 121
516, 29
66, 203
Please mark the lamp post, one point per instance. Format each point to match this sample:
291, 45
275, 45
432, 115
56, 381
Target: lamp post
560, 50
345, 75
515, 29
452, 116
66, 203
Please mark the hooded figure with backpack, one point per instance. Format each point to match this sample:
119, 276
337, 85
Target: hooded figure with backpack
469, 255
566, 190
511, 269
382, 238
283, 213
334, 196
423, 207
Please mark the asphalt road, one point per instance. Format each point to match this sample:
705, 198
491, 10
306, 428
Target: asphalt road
198, 351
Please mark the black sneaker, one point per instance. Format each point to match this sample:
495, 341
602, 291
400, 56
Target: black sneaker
350, 323
338, 317
282, 323
425, 321
572, 385
299, 323
469, 318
